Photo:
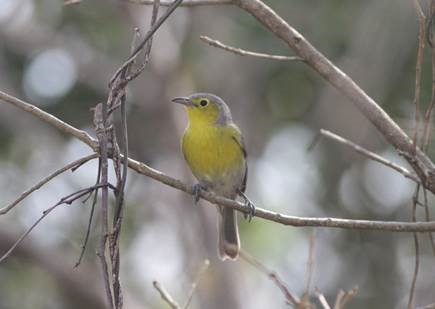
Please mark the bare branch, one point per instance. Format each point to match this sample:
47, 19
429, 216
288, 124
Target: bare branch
46, 180
147, 37
370, 155
420, 50
201, 272
166, 296
344, 297
144, 169
147, 47
91, 216
50, 119
70, 2
417, 250
272, 276
242, 52
428, 218
322, 300
69, 199
186, 3
429, 113
100, 122
310, 262
423, 166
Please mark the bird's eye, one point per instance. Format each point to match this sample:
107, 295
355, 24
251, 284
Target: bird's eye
203, 102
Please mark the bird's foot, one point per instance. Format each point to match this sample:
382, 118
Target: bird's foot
196, 189
251, 207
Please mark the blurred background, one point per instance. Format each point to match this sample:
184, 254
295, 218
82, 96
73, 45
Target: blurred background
60, 58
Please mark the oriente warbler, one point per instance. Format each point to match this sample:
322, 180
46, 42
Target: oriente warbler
213, 148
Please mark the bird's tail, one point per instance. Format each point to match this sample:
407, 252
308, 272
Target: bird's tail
229, 243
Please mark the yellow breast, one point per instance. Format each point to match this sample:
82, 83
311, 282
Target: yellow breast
212, 154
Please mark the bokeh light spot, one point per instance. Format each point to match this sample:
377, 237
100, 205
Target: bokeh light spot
50, 74
386, 186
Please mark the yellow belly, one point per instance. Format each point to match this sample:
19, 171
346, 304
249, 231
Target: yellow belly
214, 157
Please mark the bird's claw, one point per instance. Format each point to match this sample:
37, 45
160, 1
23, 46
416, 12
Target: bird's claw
196, 191
248, 215
251, 207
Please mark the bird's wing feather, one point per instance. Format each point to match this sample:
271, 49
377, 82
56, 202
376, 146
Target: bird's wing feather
238, 138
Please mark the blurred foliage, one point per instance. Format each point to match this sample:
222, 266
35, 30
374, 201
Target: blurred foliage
279, 107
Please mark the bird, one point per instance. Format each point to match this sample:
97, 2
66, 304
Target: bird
214, 150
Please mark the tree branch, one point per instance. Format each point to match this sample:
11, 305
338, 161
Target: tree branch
322, 300
370, 155
344, 297
423, 166
147, 37
186, 3
418, 65
69, 199
291, 299
166, 296
242, 52
195, 283
46, 180
142, 168
50, 119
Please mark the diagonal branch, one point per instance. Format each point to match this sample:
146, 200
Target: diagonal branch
46, 180
423, 166
165, 295
370, 155
195, 283
274, 276
50, 119
147, 37
69, 199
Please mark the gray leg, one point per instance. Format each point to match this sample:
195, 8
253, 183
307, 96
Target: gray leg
248, 216
197, 190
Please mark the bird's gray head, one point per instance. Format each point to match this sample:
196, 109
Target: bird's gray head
206, 106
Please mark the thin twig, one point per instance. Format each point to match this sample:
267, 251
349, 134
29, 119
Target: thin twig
389, 129
166, 296
418, 66
272, 276
429, 112
428, 218
185, 3
242, 52
50, 119
46, 180
148, 45
322, 300
100, 122
70, 2
148, 36
370, 155
344, 297
195, 283
310, 262
91, 216
69, 199
417, 251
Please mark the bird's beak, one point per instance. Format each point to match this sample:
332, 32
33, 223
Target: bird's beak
183, 100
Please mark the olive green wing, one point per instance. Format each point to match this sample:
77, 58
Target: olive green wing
238, 138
